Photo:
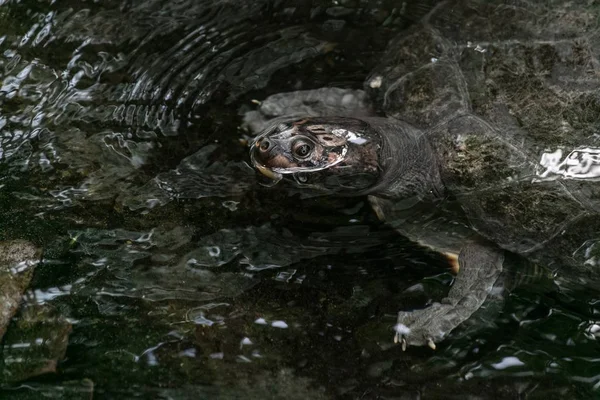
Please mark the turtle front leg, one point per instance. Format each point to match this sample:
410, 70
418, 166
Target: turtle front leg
480, 267
327, 101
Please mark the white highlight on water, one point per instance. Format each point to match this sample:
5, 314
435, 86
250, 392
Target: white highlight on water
508, 362
580, 164
279, 324
402, 329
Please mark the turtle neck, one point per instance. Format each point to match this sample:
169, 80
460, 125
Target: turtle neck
409, 165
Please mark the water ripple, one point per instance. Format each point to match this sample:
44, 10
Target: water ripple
125, 76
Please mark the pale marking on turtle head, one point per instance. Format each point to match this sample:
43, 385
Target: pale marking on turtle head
350, 136
580, 164
332, 161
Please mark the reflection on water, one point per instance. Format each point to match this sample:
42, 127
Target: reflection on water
91, 91
195, 177
581, 163
175, 274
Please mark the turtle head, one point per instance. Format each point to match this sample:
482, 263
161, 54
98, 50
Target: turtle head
329, 155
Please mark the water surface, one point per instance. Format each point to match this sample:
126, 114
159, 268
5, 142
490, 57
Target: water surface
121, 153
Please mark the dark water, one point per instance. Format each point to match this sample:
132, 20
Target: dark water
122, 155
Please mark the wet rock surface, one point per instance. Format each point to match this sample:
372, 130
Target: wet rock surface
18, 260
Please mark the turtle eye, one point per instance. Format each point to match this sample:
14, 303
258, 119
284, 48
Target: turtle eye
302, 149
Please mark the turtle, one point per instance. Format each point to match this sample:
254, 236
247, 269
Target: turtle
477, 135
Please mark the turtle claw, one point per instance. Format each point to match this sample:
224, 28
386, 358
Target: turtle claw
402, 340
481, 266
431, 343
424, 327
398, 338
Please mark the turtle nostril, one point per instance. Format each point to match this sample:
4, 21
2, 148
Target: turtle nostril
264, 145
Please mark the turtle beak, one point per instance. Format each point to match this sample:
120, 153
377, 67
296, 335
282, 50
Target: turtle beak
274, 176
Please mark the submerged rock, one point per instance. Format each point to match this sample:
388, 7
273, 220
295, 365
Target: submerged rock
18, 259
35, 343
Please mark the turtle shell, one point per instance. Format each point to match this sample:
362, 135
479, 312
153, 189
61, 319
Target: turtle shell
509, 95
